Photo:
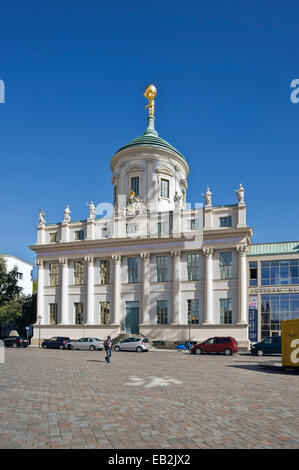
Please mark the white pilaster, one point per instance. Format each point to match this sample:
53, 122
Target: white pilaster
145, 311
40, 234
64, 291
65, 232
176, 288
208, 314
90, 229
40, 291
117, 288
90, 290
242, 313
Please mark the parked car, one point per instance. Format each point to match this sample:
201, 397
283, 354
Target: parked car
268, 345
57, 342
92, 344
218, 344
15, 342
132, 344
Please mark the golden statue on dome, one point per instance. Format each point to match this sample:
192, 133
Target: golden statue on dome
150, 93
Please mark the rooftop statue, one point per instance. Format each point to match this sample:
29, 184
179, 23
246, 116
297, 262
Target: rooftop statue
150, 93
240, 194
208, 197
92, 210
67, 212
41, 217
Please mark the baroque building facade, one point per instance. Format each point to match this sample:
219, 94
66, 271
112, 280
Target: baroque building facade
156, 266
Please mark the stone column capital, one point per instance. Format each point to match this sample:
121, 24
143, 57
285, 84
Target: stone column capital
40, 263
243, 249
145, 257
64, 262
89, 260
116, 258
208, 252
176, 254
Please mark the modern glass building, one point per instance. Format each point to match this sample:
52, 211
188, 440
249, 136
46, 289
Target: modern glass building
273, 287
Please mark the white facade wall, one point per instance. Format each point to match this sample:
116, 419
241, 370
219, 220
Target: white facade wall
24, 269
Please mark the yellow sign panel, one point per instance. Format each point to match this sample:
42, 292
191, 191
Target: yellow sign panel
290, 343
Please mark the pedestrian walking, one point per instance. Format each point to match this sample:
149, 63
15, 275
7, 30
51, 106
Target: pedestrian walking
108, 348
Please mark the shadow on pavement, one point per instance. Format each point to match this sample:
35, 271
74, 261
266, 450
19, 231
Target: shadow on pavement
267, 368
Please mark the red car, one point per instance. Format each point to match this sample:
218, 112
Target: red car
218, 344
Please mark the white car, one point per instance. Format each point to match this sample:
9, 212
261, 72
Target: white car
92, 344
132, 344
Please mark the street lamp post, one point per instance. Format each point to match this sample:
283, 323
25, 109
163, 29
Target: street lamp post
189, 326
39, 319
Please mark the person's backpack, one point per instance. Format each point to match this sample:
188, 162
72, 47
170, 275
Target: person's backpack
106, 344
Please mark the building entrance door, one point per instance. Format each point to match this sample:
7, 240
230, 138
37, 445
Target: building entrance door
132, 317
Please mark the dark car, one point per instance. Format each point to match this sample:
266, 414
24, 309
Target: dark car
268, 345
57, 342
219, 344
15, 342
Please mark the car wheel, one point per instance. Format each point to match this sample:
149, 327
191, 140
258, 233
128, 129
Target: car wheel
14, 345
92, 348
44, 346
139, 349
198, 351
117, 348
228, 352
259, 352
70, 347
61, 347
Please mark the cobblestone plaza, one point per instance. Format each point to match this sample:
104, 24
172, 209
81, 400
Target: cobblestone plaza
160, 399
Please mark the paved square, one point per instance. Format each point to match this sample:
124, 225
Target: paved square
73, 399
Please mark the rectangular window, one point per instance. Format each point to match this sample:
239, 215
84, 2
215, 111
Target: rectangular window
132, 270
53, 310
164, 188
193, 267
162, 312
104, 271
192, 224
276, 308
280, 272
78, 313
54, 270
135, 185
131, 228
79, 273
225, 264
20, 276
193, 312
253, 273
53, 237
226, 314
226, 221
79, 235
105, 313
162, 268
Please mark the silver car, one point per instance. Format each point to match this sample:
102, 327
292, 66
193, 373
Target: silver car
132, 344
92, 344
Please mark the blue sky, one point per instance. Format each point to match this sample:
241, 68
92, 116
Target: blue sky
75, 74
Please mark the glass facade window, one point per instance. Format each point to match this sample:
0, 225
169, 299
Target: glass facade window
225, 265
226, 314
105, 313
193, 311
78, 313
162, 268
162, 312
54, 272
275, 308
79, 273
226, 221
104, 271
193, 267
135, 185
79, 235
253, 281
280, 272
164, 188
53, 310
163, 228
132, 270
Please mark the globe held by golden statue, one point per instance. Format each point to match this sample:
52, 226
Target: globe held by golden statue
150, 93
